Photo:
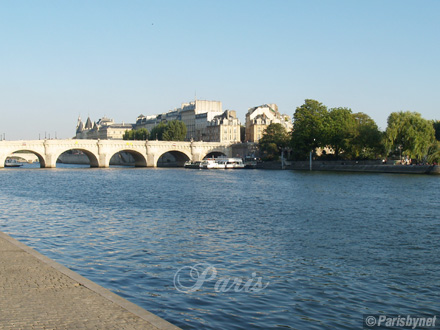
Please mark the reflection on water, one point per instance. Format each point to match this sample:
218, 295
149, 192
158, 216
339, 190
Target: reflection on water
331, 246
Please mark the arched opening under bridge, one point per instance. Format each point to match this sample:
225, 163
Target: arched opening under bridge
26, 156
78, 157
128, 158
172, 159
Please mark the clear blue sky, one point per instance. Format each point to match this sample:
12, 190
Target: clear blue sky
59, 59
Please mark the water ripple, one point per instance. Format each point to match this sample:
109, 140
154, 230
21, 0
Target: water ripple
331, 246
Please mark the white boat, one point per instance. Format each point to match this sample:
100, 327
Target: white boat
211, 163
231, 163
12, 163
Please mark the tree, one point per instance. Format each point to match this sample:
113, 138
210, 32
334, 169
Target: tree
157, 131
275, 138
128, 135
368, 140
175, 130
410, 133
434, 153
137, 134
340, 130
242, 133
436, 125
309, 127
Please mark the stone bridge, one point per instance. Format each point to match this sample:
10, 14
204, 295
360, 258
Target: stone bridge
99, 152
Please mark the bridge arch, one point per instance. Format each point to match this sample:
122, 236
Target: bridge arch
93, 158
140, 159
41, 158
214, 154
180, 157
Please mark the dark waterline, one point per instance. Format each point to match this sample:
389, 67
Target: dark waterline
331, 246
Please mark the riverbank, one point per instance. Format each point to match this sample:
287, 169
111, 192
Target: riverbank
352, 166
39, 293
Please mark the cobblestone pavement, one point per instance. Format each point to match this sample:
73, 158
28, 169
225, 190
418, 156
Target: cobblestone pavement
38, 293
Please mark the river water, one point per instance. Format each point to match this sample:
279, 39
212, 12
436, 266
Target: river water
312, 250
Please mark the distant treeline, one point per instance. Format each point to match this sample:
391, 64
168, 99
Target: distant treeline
174, 130
338, 133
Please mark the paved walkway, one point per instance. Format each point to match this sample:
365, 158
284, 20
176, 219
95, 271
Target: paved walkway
38, 293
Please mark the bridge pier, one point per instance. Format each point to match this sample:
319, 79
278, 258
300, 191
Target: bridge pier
196, 157
51, 161
152, 160
2, 160
104, 160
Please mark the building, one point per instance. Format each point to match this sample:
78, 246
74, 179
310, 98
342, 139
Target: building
149, 122
196, 115
224, 128
258, 118
104, 129
204, 121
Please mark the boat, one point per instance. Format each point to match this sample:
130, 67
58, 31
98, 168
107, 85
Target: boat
190, 164
250, 162
12, 163
231, 163
250, 165
216, 163
211, 163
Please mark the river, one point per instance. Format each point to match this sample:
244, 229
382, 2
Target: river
247, 249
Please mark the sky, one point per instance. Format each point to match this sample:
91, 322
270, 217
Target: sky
64, 59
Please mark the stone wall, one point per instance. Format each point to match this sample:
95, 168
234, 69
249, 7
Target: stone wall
345, 166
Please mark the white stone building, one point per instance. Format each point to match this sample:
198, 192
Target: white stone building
149, 122
195, 115
258, 118
104, 129
224, 128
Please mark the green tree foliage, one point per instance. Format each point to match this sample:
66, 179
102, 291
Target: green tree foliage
128, 135
437, 130
410, 132
309, 127
340, 130
137, 134
275, 138
434, 153
242, 133
157, 131
367, 142
175, 130
349, 135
